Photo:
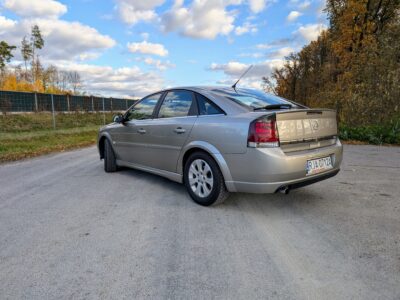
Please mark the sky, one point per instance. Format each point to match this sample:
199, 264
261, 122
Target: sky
130, 48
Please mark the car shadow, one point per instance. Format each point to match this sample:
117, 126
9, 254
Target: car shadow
153, 179
303, 197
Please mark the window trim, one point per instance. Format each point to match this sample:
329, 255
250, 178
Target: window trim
209, 101
144, 98
190, 113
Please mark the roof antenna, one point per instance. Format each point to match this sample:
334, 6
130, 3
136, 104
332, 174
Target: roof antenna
234, 85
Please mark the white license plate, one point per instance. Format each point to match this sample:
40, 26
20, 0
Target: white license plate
315, 166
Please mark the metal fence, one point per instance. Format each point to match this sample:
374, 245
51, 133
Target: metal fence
14, 102
61, 107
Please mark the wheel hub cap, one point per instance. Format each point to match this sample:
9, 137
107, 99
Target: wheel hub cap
201, 178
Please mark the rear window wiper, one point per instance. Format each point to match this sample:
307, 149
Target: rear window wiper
275, 106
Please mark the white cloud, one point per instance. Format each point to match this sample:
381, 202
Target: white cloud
134, 11
147, 48
162, 66
304, 5
301, 5
202, 19
36, 8
311, 32
245, 28
116, 82
233, 70
254, 55
257, 6
6, 24
63, 40
293, 15
280, 53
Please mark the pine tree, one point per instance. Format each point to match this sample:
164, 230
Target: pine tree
26, 52
5, 54
37, 44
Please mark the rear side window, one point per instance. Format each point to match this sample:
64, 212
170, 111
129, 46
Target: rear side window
206, 107
176, 104
144, 109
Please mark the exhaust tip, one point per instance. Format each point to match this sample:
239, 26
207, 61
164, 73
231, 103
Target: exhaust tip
284, 190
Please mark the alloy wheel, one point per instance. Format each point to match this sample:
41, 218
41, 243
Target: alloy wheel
201, 179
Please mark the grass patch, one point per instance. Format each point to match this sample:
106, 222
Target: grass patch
373, 134
15, 146
43, 121
29, 135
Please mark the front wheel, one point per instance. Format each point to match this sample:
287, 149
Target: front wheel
110, 164
203, 180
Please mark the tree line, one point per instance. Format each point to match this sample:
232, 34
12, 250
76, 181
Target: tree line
353, 66
32, 76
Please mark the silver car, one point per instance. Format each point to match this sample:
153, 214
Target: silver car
218, 140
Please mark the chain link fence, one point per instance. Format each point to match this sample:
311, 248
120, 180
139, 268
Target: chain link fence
61, 105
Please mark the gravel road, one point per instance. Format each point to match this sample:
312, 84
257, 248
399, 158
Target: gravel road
70, 231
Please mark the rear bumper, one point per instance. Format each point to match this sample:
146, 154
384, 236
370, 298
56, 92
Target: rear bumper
269, 169
269, 188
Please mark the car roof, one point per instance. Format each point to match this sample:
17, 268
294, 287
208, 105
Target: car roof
208, 88
228, 106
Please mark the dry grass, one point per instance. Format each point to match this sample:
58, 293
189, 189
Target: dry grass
28, 135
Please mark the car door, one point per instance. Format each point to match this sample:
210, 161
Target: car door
132, 137
170, 129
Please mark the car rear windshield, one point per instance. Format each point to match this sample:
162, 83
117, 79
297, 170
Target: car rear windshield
251, 98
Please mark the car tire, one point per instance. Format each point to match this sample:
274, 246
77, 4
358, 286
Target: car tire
203, 180
110, 164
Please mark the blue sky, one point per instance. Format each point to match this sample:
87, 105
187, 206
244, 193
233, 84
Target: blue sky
131, 47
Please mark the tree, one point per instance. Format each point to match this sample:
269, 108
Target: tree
37, 43
5, 54
75, 80
26, 52
353, 66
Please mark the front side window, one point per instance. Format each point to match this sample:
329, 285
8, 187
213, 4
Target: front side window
176, 104
144, 109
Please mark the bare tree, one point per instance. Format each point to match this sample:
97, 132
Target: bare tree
75, 81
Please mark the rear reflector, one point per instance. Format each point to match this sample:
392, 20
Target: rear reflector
263, 133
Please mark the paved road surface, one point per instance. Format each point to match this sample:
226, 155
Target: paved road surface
70, 231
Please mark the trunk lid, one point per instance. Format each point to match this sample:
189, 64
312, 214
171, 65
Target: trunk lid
306, 129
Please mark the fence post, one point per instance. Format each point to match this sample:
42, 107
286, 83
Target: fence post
68, 107
36, 104
92, 104
126, 103
104, 114
53, 112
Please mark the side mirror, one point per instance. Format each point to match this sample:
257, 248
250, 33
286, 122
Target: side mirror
118, 118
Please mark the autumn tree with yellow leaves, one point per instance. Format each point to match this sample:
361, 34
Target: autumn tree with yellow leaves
33, 76
353, 66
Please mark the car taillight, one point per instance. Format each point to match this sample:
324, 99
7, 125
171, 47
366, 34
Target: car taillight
263, 133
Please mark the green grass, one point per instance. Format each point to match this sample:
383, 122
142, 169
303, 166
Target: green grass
388, 133
29, 135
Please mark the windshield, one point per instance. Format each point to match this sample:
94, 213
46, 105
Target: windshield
251, 98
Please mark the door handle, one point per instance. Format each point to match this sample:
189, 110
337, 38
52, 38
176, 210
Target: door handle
179, 130
141, 131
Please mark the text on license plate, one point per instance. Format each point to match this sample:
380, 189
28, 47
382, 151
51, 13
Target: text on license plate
318, 165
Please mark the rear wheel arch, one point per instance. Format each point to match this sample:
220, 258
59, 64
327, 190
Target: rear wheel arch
212, 152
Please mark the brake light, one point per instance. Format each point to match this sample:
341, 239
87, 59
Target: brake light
263, 133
